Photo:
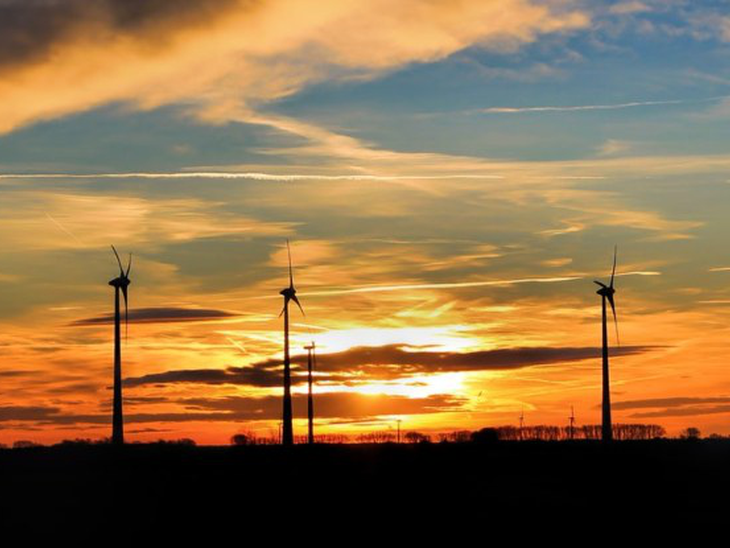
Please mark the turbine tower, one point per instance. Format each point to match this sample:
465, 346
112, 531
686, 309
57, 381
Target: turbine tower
311, 364
120, 284
289, 294
607, 296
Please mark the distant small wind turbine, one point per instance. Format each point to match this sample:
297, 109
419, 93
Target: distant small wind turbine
522, 422
607, 293
571, 419
311, 364
120, 283
289, 294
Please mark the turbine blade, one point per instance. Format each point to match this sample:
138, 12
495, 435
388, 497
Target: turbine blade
283, 309
613, 272
615, 318
294, 298
600, 283
291, 274
125, 292
129, 266
121, 269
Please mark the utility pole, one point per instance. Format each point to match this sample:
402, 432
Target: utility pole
522, 422
310, 399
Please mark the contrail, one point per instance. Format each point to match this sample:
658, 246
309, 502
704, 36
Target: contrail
237, 345
453, 285
63, 229
252, 176
458, 285
447, 285
574, 108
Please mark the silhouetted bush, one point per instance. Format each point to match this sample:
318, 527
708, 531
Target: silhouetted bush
485, 436
25, 444
182, 441
239, 439
691, 433
78, 442
417, 437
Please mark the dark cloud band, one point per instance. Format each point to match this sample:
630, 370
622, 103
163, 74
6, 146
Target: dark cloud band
363, 364
161, 315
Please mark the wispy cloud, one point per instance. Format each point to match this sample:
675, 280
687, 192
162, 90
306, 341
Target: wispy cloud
579, 108
239, 408
460, 285
453, 285
32, 219
669, 402
629, 7
251, 176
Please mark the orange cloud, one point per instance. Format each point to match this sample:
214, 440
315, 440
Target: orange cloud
221, 56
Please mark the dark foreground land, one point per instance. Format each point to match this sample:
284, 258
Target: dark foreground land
368, 489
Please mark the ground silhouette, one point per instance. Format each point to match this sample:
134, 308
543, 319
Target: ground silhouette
493, 483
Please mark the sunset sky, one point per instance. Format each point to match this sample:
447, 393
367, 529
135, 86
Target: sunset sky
452, 176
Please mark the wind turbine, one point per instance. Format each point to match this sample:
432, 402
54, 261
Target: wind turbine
289, 294
522, 421
120, 283
571, 430
311, 364
607, 295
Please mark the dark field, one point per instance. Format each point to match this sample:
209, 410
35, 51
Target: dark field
369, 488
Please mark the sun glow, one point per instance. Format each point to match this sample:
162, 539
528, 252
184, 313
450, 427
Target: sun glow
451, 338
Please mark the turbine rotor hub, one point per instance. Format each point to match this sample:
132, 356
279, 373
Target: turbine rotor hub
606, 292
121, 281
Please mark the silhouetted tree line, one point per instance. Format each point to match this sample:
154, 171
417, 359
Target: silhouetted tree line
457, 436
251, 438
383, 436
485, 435
584, 432
332, 438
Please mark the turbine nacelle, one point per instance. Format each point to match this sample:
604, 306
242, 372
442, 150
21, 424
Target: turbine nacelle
605, 290
121, 282
608, 292
288, 293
